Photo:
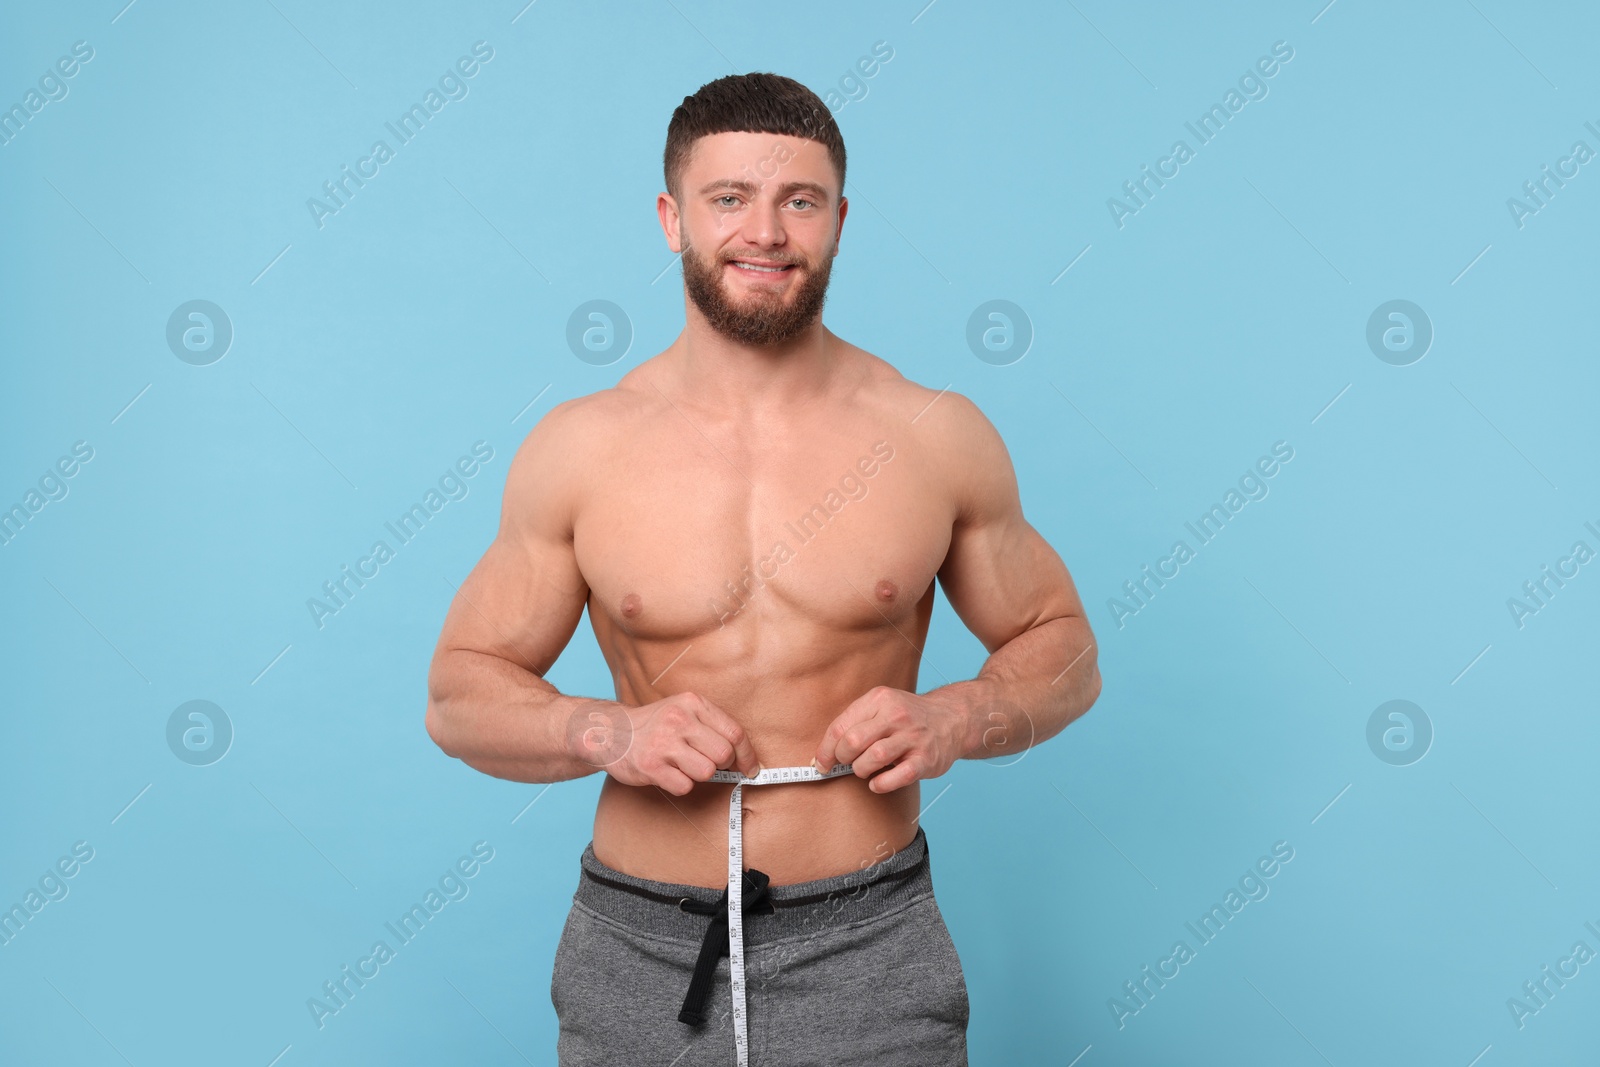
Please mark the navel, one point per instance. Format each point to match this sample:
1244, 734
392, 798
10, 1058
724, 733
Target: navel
887, 590
631, 606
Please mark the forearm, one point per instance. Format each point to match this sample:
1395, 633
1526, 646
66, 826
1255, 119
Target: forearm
1027, 691
506, 721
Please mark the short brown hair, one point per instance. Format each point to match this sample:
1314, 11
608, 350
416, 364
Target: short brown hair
749, 103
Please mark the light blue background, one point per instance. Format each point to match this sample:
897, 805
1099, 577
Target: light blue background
1229, 313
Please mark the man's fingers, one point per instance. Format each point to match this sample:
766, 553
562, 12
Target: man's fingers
693, 761
896, 778
744, 753
673, 781
880, 754
859, 738
830, 751
702, 750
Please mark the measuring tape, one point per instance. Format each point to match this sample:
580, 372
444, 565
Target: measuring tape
768, 776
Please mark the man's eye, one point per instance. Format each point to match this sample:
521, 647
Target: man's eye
719, 200
802, 201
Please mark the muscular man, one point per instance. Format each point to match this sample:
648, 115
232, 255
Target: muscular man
755, 518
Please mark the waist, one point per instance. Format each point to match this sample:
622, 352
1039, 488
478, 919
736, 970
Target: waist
655, 907
793, 832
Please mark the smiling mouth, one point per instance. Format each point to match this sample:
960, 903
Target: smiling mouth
760, 269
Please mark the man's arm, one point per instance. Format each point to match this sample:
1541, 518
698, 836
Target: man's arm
1010, 589
488, 703
1013, 592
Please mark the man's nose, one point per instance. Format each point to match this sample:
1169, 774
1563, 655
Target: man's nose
762, 224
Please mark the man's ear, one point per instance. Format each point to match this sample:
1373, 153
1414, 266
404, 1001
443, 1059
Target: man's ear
667, 211
844, 209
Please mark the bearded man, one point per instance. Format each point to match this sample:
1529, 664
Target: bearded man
755, 519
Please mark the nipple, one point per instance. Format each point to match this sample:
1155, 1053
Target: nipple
887, 590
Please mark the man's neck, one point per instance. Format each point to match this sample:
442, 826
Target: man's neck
729, 376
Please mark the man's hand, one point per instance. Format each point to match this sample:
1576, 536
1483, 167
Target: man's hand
884, 726
672, 743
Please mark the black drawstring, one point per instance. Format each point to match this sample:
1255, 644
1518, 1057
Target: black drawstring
715, 945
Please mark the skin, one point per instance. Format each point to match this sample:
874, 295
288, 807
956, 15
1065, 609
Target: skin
651, 502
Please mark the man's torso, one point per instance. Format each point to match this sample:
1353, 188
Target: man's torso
779, 567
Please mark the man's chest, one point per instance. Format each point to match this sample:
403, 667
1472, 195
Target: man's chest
842, 530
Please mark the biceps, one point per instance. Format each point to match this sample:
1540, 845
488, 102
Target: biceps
522, 603
1003, 578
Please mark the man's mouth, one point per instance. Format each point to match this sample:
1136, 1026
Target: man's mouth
750, 266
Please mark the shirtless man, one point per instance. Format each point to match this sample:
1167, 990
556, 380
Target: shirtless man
755, 518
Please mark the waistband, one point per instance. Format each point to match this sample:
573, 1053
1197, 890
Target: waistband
798, 908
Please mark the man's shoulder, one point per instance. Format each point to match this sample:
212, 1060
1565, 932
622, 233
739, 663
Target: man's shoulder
947, 428
579, 419
939, 414
552, 457
547, 480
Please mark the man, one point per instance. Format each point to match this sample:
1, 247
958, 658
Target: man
755, 518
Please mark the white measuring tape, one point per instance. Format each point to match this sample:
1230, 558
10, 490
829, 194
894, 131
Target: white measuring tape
768, 776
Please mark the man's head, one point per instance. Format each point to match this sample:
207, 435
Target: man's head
754, 167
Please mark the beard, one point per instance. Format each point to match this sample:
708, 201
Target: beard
763, 317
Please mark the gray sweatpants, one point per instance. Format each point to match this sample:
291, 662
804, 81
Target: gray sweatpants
855, 969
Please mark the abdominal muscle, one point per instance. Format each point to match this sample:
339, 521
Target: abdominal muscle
794, 832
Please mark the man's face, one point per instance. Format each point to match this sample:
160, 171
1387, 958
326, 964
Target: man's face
758, 224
